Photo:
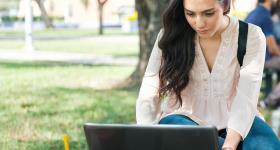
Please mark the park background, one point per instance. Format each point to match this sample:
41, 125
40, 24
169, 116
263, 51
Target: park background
82, 62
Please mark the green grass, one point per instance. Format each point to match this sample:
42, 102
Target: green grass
40, 102
117, 49
63, 32
77, 46
113, 43
11, 45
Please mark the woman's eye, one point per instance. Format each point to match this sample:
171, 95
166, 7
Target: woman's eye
209, 14
189, 14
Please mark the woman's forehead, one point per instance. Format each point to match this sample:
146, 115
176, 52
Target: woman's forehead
200, 5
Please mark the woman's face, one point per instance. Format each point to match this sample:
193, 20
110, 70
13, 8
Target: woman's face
204, 16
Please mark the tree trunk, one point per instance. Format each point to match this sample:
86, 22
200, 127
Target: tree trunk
44, 14
86, 3
101, 4
100, 8
149, 21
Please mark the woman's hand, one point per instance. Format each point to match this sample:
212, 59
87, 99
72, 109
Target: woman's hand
232, 140
227, 148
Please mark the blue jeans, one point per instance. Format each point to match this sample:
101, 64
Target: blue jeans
260, 137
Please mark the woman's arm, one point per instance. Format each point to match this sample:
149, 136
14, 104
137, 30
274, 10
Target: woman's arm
148, 102
244, 105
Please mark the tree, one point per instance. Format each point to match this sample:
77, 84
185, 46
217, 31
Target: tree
149, 21
6, 5
86, 3
44, 14
101, 4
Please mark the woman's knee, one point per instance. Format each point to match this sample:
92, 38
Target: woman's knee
177, 119
261, 137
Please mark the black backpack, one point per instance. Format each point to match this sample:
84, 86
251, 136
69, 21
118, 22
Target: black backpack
242, 41
273, 99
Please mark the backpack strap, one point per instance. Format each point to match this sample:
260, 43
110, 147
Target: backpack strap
242, 41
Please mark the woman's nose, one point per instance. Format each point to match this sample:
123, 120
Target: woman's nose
199, 22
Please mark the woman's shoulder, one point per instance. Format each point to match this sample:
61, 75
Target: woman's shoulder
252, 29
161, 31
256, 38
255, 30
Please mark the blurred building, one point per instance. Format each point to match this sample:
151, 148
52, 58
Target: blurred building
75, 12
241, 8
245, 5
117, 13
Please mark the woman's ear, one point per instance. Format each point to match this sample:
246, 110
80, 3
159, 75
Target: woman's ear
226, 11
228, 7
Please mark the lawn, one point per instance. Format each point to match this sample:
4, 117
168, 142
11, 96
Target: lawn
79, 46
40, 102
63, 32
81, 41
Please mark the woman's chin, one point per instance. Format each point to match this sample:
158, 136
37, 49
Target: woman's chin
203, 35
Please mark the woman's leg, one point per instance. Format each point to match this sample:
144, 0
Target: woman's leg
261, 137
177, 119
184, 120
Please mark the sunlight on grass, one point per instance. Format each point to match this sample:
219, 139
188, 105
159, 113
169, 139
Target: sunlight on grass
114, 42
90, 46
63, 32
12, 45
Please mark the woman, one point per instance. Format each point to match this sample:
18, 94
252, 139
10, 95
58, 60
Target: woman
193, 76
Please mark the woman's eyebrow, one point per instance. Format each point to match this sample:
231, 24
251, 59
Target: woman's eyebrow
207, 10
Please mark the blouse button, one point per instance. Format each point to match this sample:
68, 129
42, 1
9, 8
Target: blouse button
215, 80
205, 79
215, 91
205, 91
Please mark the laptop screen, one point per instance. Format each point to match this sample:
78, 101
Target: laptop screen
153, 137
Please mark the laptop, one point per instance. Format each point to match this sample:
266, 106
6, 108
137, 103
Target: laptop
150, 137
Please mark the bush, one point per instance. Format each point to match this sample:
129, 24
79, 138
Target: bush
8, 19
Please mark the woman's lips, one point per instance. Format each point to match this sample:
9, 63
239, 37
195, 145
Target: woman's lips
202, 31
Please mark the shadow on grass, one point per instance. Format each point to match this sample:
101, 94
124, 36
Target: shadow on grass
65, 110
100, 106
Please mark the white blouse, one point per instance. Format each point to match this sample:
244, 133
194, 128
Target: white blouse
226, 97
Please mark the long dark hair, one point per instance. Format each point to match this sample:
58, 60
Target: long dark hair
178, 49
